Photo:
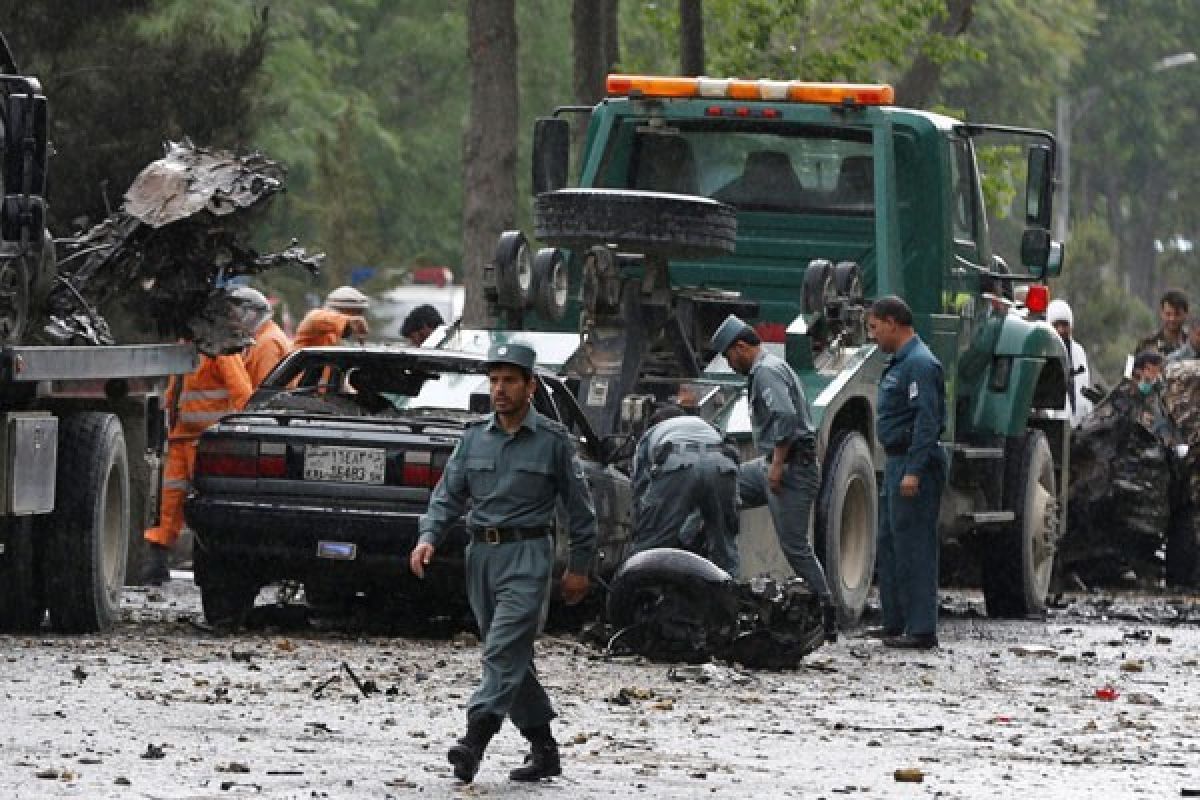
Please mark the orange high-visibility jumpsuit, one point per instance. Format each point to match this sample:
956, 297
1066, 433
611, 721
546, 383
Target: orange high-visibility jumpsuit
220, 386
271, 344
321, 327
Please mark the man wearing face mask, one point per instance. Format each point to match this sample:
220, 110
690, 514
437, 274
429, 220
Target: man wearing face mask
1059, 315
1143, 397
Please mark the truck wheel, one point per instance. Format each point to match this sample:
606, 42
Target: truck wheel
21, 606
653, 223
227, 592
1018, 559
87, 535
847, 515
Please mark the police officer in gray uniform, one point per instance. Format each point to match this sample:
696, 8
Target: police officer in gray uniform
910, 413
512, 467
681, 471
784, 477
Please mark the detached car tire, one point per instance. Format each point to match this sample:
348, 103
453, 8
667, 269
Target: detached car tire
86, 538
1018, 559
653, 223
846, 523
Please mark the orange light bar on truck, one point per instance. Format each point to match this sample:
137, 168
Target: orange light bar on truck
863, 94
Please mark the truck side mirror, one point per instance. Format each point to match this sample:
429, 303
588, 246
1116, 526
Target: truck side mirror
1039, 186
25, 145
551, 153
1035, 251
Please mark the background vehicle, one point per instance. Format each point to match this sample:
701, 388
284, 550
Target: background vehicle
324, 476
81, 428
794, 204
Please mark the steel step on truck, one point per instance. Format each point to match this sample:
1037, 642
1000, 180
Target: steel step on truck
794, 204
82, 429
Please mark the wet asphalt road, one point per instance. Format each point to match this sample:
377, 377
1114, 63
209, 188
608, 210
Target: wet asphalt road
162, 709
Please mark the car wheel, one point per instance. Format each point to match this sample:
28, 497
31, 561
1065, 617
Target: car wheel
653, 223
227, 592
1018, 559
86, 538
846, 521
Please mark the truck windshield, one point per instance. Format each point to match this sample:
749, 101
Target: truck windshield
754, 167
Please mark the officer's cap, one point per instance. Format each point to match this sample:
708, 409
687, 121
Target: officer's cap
519, 355
730, 330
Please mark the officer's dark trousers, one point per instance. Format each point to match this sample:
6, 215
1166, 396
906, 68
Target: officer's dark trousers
703, 483
907, 551
790, 511
508, 585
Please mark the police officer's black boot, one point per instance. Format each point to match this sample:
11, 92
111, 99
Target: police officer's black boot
542, 761
829, 620
466, 754
157, 569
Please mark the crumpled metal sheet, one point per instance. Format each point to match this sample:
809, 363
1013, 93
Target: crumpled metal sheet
154, 270
190, 179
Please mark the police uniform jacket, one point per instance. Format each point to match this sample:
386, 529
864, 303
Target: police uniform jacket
912, 407
514, 481
670, 445
778, 409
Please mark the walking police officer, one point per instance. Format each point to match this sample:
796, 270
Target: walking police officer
512, 467
910, 414
683, 474
784, 477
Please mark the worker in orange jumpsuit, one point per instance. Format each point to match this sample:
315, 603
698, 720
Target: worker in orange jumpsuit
342, 316
271, 344
219, 386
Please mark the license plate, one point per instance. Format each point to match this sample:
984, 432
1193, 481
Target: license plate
346, 464
338, 551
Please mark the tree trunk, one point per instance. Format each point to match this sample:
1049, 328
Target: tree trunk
918, 83
1137, 237
612, 41
490, 142
691, 37
589, 33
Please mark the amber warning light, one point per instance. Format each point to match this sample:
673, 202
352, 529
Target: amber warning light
863, 94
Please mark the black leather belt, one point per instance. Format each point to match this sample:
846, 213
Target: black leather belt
506, 535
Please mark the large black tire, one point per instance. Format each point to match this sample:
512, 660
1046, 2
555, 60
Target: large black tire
1018, 559
653, 223
227, 589
846, 523
21, 605
86, 537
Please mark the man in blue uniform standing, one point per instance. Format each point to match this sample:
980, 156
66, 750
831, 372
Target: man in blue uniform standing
682, 473
910, 413
513, 467
784, 476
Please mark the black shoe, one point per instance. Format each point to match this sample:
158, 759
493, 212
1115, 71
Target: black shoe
912, 641
880, 632
156, 570
467, 752
542, 762
829, 620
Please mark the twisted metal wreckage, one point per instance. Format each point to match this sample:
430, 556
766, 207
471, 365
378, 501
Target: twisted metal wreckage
157, 266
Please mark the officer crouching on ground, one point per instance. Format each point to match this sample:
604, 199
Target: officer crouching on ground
512, 467
784, 477
682, 467
910, 414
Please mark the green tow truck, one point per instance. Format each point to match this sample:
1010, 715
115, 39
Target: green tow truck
794, 204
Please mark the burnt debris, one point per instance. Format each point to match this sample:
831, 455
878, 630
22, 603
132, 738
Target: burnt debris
153, 270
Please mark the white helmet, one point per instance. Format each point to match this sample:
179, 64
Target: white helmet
251, 298
348, 300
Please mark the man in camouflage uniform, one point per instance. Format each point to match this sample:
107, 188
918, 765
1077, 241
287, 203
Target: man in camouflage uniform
1172, 309
1181, 398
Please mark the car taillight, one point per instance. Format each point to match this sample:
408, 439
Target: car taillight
422, 468
241, 458
228, 458
272, 460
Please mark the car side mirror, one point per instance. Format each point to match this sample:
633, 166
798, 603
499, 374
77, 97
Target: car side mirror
551, 154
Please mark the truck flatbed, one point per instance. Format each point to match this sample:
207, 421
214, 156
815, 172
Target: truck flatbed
28, 364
